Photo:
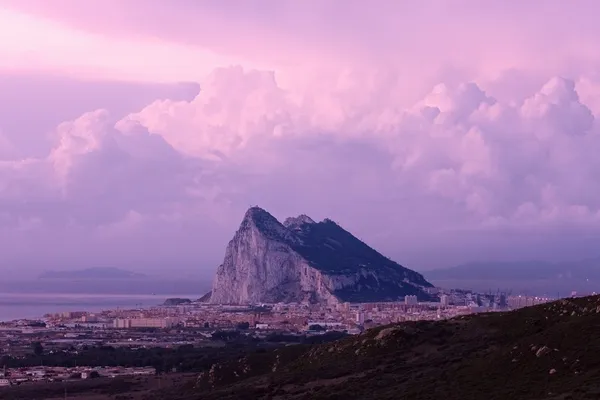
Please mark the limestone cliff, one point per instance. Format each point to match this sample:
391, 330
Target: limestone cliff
305, 261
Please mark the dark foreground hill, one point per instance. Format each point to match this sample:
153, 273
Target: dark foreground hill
543, 352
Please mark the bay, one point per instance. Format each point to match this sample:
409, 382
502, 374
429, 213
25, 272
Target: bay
35, 305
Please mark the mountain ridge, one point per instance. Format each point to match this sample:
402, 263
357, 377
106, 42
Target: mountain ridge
527, 269
92, 273
529, 277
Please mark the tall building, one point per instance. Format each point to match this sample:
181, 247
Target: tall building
411, 300
502, 301
515, 302
360, 317
444, 300
121, 323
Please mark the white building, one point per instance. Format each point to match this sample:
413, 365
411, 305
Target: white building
444, 300
161, 323
325, 324
360, 317
411, 300
121, 323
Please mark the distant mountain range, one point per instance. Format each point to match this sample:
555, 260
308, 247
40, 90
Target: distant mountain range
535, 276
581, 269
93, 273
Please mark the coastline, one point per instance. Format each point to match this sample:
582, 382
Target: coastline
16, 306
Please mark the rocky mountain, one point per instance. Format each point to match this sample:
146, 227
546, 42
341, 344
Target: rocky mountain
303, 260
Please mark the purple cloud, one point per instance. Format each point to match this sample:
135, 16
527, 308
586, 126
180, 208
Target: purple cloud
455, 163
431, 142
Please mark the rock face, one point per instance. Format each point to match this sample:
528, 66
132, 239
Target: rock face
306, 261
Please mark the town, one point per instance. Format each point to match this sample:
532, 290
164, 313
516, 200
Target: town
195, 324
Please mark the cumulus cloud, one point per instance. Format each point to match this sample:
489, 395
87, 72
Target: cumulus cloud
458, 143
467, 128
56, 98
234, 106
457, 162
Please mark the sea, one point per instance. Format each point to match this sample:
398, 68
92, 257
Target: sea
32, 306
33, 299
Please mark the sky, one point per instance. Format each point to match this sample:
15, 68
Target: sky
135, 133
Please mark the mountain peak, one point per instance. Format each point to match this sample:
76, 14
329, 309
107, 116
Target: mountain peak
261, 220
297, 222
257, 216
256, 211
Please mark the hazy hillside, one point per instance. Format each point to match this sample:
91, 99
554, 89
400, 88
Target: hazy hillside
170, 287
92, 273
534, 277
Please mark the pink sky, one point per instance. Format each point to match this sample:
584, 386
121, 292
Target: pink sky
463, 126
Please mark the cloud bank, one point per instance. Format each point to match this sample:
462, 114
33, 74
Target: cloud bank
457, 162
437, 132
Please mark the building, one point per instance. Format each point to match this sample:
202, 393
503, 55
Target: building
444, 300
325, 324
121, 323
515, 302
89, 318
360, 317
411, 300
160, 323
478, 300
502, 303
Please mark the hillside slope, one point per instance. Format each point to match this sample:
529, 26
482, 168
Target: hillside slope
543, 352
